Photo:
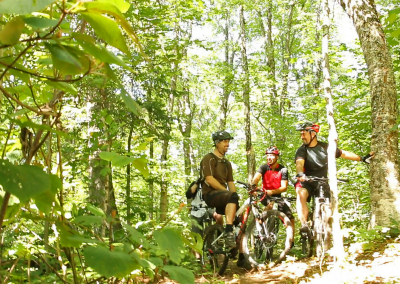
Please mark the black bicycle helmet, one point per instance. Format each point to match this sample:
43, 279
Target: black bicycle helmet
308, 126
221, 135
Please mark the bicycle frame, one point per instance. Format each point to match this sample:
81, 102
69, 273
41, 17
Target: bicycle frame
259, 237
248, 207
321, 214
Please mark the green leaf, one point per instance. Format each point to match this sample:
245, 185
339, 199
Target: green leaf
11, 212
143, 262
23, 7
109, 263
67, 236
393, 15
88, 220
136, 236
108, 30
23, 181
101, 53
395, 33
120, 161
12, 30
82, 240
142, 147
44, 201
170, 242
130, 102
40, 23
20, 75
62, 86
156, 261
141, 165
63, 59
96, 211
103, 7
120, 4
37, 126
180, 274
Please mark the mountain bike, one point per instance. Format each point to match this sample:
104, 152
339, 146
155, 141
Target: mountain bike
257, 232
320, 221
263, 239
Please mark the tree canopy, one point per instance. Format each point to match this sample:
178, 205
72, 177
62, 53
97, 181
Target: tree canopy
107, 108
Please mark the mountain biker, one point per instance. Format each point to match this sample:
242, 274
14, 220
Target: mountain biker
199, 210
312, 160
274, 179
216, 171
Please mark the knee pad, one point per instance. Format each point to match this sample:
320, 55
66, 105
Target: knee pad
234, 198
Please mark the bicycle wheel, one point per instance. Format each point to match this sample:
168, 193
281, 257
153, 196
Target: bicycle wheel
323, 227
253, 247
279, 236
271, 244
307, 240
214, 251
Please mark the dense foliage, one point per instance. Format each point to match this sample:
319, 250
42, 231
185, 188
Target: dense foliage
107, 107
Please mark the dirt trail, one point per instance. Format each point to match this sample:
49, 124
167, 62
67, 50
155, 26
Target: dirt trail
382, 266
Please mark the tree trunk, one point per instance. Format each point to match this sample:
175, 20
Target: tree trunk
164, 159
99, 170
185, 126
270, 54
251, 168
384, 170
286, 59
128, 176
332, 139
151, 183
228, 72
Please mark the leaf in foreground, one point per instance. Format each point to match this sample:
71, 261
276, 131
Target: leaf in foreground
109, 263
180, 274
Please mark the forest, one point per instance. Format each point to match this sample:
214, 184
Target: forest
107, 108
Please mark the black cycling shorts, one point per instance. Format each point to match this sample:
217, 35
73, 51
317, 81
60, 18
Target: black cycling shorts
313, 188
218, 199
282, 206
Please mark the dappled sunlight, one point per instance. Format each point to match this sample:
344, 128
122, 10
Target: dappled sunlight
391, 175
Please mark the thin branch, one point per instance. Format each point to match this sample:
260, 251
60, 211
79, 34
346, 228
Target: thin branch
8, 137
39, 112
49, 78
40, 37
15, 60
258, 119
11, 270
52, 268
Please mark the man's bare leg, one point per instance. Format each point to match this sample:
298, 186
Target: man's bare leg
230, 211
218, 218
301, 205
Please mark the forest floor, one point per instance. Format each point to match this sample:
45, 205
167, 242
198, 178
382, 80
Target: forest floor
380, 265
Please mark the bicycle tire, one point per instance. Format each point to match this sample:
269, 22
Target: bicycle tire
307, 240
275, 220
214, 251
260, 249
323, 230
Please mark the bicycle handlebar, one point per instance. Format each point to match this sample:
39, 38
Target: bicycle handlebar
311, 178
264, 191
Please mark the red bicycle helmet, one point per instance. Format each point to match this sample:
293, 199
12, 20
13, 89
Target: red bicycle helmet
272, 150
308, 126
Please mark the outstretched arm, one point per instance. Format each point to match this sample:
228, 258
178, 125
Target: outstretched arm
354, 157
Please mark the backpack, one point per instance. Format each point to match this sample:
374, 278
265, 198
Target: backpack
199, 206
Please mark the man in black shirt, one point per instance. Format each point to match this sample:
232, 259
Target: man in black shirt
312, 160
